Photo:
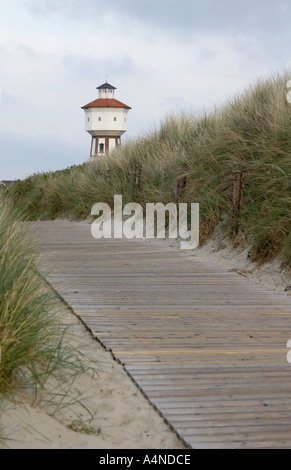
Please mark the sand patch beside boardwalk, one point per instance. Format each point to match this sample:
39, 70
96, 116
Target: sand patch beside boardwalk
108, 404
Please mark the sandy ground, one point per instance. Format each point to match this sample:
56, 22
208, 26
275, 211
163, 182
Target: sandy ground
109, 405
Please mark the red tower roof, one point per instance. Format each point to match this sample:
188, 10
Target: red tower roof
106, 103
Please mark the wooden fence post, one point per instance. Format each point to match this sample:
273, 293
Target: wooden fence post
180, 185
137, 175
42, 191
236, 201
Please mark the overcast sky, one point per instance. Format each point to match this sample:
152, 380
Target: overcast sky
162, 56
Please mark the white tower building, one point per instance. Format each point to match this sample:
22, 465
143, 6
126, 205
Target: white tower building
105, 120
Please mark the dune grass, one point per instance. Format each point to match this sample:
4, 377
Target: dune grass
251, 133
31, 328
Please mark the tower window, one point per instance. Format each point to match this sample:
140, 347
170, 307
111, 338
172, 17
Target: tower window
99, 119
88, 119
115, 119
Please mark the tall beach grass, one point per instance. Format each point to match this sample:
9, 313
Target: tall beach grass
31, 328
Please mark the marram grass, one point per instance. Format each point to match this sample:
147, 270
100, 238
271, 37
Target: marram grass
31, 331
251, 133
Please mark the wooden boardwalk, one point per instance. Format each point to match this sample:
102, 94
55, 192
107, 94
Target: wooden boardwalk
204, 344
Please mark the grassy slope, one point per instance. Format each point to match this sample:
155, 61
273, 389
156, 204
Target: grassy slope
250, 133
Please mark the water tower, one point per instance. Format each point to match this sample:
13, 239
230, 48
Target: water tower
105, 120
